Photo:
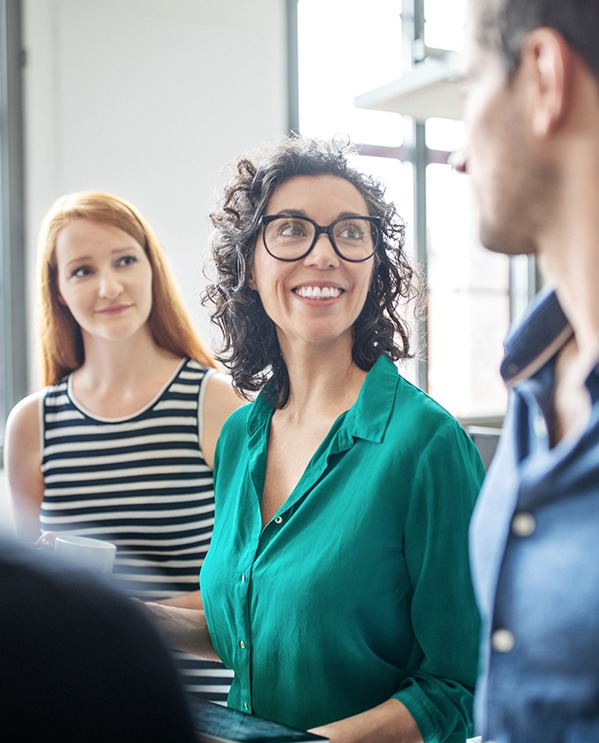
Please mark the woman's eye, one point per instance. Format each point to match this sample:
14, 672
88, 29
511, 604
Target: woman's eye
81, 272
352, 232
292, 229
126, 260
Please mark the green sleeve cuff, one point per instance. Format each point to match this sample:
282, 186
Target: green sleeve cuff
444, 715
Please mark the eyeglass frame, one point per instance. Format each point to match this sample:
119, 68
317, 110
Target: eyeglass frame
319, 230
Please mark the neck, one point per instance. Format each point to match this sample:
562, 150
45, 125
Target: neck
571, 264
112, 365
323, 382
569, 248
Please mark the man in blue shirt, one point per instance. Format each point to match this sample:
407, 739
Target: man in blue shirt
532, 150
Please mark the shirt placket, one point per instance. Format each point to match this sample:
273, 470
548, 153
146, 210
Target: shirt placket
243, 636
258, 547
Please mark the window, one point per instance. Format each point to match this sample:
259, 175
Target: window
346, 48
13, 369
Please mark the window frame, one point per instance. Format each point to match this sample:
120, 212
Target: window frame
13, 305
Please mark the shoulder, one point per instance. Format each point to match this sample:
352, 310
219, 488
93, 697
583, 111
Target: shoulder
235, 433
218, 400
237, 423
219, 390
430, 431
217, 387
419, 408
24, 418
232, 448
395, 409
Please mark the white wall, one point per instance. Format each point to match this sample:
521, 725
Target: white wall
148, 99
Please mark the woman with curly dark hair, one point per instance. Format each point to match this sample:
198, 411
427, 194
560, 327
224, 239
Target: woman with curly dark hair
337, 583
239, 312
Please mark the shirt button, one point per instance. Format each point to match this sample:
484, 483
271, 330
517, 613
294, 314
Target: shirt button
502, 641
524, 524
246, 706
242, 644
243, 578
279, 520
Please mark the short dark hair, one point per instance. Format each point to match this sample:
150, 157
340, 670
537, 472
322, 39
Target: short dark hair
250, 348
502, 25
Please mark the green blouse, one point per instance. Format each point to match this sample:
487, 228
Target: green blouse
358, 589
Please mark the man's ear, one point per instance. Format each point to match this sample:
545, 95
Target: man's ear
548, 60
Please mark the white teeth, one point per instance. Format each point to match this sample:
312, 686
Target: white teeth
318, 292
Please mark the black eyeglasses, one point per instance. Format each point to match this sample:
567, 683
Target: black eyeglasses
290, 238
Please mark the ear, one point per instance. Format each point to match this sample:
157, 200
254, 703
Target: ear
549, 61
251, 281
61, 300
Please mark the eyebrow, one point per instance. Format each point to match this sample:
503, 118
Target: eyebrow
303, 213
91, 257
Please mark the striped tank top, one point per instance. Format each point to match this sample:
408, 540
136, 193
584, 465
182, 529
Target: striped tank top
140, 482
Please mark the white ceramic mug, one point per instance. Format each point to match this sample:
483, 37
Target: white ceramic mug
95, 554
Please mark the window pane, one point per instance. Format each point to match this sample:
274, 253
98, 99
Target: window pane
469, 309
444, 134
397, 177
347, 47
444, 23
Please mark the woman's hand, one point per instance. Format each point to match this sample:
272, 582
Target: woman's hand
184, 629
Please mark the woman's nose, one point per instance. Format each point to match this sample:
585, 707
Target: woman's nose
323, 254
110, 286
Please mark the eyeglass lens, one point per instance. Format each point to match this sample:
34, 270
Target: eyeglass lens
291, 237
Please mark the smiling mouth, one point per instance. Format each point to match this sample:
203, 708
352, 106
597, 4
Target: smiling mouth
318, 292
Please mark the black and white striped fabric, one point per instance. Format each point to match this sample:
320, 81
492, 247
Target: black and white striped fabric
140, 482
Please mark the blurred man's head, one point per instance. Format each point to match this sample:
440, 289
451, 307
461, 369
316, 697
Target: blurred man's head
520, 60
501, 26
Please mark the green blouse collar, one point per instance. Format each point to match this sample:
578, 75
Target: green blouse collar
366, 419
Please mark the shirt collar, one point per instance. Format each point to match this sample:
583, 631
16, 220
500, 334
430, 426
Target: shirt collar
366, 419
543, 332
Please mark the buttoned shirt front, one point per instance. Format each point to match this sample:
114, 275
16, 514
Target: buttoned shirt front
534, 548
358, 589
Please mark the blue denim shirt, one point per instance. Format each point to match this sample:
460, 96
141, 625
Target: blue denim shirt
535, 555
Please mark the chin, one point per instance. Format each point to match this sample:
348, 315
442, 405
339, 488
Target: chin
497, 242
